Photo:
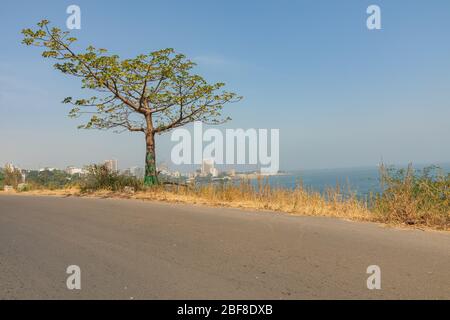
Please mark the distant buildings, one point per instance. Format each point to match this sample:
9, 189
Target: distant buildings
47, 169
207, 171
163, 169
112, 165
74, 170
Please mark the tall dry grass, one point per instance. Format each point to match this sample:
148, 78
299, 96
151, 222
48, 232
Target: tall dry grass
414, 197
263, 196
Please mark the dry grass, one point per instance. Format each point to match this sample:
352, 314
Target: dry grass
299, 201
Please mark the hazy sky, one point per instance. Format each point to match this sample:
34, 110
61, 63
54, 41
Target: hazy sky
340, 94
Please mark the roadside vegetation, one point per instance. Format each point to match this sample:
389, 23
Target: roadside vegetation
408, 196
100, 178
50, 180
414, 197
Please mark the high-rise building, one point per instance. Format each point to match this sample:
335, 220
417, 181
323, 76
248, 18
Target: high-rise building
112, 165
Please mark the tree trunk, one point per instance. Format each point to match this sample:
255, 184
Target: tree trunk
151, 176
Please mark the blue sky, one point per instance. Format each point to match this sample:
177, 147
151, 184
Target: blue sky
340, 94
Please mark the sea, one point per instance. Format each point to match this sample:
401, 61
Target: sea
359, 181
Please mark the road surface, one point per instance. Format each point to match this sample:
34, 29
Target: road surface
129, 249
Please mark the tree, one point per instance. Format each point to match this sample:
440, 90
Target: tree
49, 179
151, 93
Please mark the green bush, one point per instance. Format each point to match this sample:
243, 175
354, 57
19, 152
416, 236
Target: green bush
100, 178
56, 179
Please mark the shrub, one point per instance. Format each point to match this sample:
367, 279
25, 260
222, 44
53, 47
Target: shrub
46, 179
24, 187
99, 177
414, 197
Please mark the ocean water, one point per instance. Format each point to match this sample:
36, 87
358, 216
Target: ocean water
360, 181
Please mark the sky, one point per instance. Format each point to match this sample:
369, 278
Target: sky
340, 94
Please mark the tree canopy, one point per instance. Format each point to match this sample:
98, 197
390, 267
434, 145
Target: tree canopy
160, 84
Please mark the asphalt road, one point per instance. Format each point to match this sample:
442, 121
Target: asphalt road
128, 249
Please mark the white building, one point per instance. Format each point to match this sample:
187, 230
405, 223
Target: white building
112, 165
47, 169
74, 170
